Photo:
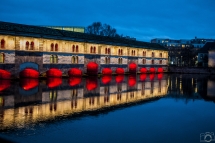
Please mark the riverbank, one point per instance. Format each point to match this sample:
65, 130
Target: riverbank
194, 70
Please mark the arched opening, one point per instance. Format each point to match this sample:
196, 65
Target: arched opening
92, 68
132, 67
32, 46
4, 84
53, 82
144, 61
2, 43
160, 62
52, 59
91, 83
106, 79
56, 47
52, 47
144, 53
55, 59
94, 50
53, 72
153, 62
2, 57
76, 48
29, 84
160, 55
160, 70
106, 71
106, 60
152, 70
106, 51
76, 60
74, 81
29, 73
119, 78
142, 77
74, 72
5, 74
91, 49
153, 54
160, 76
119, 71
143, 70
132, 80
27, 45
73, 48
119, 52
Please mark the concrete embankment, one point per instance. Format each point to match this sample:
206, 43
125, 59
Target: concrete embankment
194, 70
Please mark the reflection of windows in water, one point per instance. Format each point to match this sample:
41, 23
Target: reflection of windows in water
119, 96
152, 87
106, 99
159, 87
106, 90
1, 101
74, 104
53, 106
28, 110
143, 89
74, 93
131, 94
119, 88
91, 100
53, 95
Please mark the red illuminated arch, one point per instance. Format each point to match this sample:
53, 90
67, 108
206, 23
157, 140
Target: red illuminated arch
92, 68
28, 84
53, 72
73, 81
152, 70
160, 70
119, 71
143, 70
106, 71
4, 74
53, 82
132, 81
132, 67
142, 77
152, 76
106, 79
4, 84
75, 72
29, 72
119, 78
160, 76
91, 83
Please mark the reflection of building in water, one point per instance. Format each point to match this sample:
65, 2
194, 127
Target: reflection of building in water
66, 100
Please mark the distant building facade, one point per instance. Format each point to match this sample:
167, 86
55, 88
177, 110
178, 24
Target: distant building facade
211, 55
68, 28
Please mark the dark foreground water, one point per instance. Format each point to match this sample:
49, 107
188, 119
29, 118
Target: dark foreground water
141, 108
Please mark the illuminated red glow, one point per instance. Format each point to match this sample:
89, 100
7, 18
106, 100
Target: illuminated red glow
4, 74
106, 79
75, 72
132, 81
4, 84
91, 83
143, 70
160, 70
53, 72
29, 73
160, 76
132, 67
142, 77
152, 76
119, 71
152, 70
92, 68
29, 83
106, 71
119, 78
53, 82
73, 81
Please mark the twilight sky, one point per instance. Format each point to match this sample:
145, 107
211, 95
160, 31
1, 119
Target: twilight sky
142, 19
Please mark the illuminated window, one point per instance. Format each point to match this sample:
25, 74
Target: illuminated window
52, 47
144, 61
2, 57
2, 43
32, 46
56, 47
27, 45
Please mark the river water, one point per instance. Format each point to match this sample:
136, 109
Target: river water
135, 108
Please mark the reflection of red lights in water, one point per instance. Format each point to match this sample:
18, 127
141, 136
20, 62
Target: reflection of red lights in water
30, 73
106, 79
54, 72
4, 84
152, 76
4, 74
91, 83
73, 81
28, 83
75, 72
106, 71
152, 70
160, 69
132, 67
53, 82
92, 68
119, 71
142, 77
132, 81
119, 78
143, 70
160, 76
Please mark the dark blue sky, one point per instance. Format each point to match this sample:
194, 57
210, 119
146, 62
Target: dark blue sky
142, 19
